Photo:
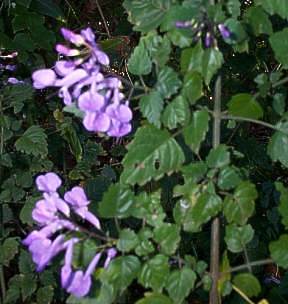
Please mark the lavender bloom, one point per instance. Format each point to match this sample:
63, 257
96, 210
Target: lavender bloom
48, 182
78, 201
224, 31
111, 253
13, 80
183, 24
208, 40
79, 79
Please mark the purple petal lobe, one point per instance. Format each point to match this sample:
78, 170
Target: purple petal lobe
72, 78
43, 78
76, 197
80, 284
63, 67
91, 102
48, 182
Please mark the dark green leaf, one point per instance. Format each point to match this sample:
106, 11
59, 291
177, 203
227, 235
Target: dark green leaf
121, 272
237, 237
192, 59
233, 7
192, 87
279, 251
277, 147
9, 249
245, 105
228, 178
151, 106
196, 131
33, 141
218, 157
176, 113
239, 207
283, 206
248, 284
180, 283
128, 240
168, 237
47, 8
45, 295
154, 273
279, 44
139, 62
154, 298
151, 154
146, 14
117, 202
28, 285
279, 7
259, 21
212, 62
168, 82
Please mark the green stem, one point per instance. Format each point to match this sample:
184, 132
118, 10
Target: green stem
2, 276
252, 264
256, 121
215, 229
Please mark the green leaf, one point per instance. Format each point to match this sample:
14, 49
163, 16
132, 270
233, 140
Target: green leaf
145, 246
279, 103
146, 14
121, 272
279, 44
176, 113
28, 285
196, 131
26, 264
33, 141
159, 48
45, 295
151, 106
228, 178
245, 105
117, 202
150, 155
218, 157
148, 208
279, 251
237, 237
9, 249
248, 284
47, 8
168, 237
194, 172
212, 62
13, 292
26, 211
279, 7
128, 240
154, 273
259, 21
283, 206
277, 147
194, 211
154, 298
180, 37
192, 87
24, 42
139, 62
180, 283
233, 7
69, 133
192, 59
168, 82
239, 207
84, 252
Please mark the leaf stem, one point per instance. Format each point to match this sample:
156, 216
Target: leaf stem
215, 229
242, 294
256, 121
252, 264
103, 18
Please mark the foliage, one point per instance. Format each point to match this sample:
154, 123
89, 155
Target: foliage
157, 190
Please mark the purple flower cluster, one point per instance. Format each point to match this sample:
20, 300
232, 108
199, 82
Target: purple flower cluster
52, 214
79, 78
202, 28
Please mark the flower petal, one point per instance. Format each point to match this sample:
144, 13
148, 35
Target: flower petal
43, 78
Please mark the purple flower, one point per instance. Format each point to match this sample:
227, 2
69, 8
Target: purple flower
78, 200
43, 78
48, 182
208, 40
77, 283
79, 77
224, 31
111, 253
13, 80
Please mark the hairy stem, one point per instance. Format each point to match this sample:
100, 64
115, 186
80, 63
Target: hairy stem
215, 229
